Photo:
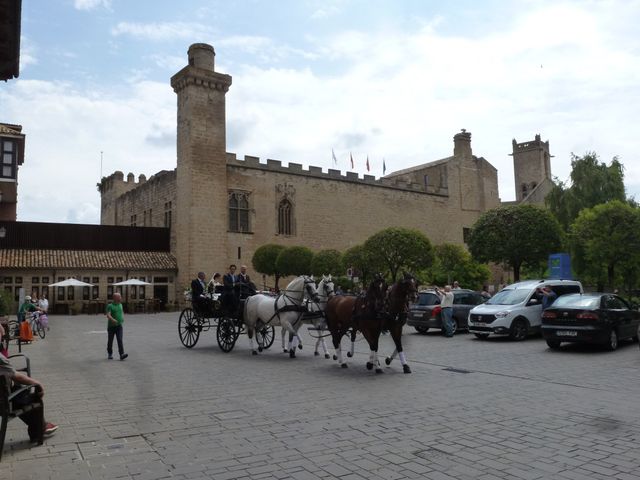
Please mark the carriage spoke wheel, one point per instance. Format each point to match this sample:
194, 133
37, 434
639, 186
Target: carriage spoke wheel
226, 334
188, 328
266, 336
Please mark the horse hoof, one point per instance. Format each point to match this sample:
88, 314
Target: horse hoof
379, 370
344, 365
300, 346
260, 349
315, 354
326, 355
349, 354
335, 357
292, 353
253, 352
284, 350
406, 369
369, 365
387, 360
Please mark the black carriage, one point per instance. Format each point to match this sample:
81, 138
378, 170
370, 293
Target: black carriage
222, 311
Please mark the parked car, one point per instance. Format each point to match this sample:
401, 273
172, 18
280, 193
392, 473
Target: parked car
426, 312
590, 318
516, 310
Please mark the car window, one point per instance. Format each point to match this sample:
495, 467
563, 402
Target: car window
564, 289
461, 299
509, 297
428, 298
577, 301
616, 303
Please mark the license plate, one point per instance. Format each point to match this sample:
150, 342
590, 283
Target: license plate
567, 333
418, 314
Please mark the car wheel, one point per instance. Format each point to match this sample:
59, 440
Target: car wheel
482, 336
454, 325
422, 330
612, 343
553, 344
519, 329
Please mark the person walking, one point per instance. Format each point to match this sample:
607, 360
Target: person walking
446, 304
115, 319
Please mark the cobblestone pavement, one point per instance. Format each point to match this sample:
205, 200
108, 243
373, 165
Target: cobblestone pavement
472, 409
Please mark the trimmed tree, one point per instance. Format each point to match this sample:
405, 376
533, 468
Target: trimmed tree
395, 249
515, 235
294, 261
357, 258
327, 262
453, 262
264, 260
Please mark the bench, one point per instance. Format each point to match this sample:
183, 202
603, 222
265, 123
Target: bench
8, 411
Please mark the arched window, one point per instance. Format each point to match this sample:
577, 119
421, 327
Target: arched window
239, 212
285, 218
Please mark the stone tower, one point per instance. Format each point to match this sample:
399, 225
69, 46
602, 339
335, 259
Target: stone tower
531, 165
201, 175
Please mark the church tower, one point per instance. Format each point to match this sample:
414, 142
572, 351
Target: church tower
531, 165
201, 176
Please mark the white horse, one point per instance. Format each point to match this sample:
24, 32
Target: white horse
316, 313
285, 310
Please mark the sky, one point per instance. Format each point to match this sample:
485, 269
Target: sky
387, 79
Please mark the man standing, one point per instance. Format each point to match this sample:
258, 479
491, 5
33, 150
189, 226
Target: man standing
446, 304
231, 287
247, 286
198, 288
115, 319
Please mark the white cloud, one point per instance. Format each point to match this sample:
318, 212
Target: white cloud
91, 4
161, 31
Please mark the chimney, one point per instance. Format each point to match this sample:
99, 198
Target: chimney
462, 144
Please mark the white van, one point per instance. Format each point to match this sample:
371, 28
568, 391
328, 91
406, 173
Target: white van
516, 310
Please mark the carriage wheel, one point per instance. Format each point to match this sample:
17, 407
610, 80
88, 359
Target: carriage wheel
266, 336
188, 328
226, 334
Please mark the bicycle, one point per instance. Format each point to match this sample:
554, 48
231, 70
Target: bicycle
36, 325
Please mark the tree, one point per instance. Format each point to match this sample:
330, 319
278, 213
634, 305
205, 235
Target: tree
605, 242
453, 262
264, 260
327, 262
394, 249
357, 258
592, 183
294, 261
515, 235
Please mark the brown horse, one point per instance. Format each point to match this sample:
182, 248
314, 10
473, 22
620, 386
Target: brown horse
400, 294
348, 313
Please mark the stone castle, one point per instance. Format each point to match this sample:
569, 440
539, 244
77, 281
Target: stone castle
220, 208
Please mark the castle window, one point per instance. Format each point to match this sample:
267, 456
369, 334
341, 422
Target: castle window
239, 212
167, 214
525, 190
8, 152
134, 220
285, 218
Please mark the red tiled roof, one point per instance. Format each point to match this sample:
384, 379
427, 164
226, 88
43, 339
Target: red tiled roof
86, 259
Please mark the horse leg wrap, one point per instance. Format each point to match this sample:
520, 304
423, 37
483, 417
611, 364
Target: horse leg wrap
403, 358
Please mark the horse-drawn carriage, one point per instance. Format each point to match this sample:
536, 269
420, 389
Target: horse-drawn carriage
224, 313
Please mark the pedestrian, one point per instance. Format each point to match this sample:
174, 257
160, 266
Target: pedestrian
446, 304
115, 319
485, 292
547, 298
43, 303
456, 285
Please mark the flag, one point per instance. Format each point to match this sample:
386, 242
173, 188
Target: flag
367, 163
350, 155
384, 167
335, 160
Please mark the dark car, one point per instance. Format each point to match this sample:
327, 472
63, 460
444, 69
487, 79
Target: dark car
426, 312
600, 318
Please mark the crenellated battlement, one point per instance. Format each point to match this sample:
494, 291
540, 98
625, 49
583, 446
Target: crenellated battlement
535, 144
116, 181
292, 168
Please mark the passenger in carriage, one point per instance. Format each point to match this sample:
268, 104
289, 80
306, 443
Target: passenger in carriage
231, 291
198, 288
247, 287
214, 285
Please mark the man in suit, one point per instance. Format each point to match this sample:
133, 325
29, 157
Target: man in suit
247, 287
198, 287
231, 283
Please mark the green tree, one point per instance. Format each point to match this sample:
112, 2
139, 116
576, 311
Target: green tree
592, 183
294, 261
327, 262
359, 259
264, 260
515, 235
453, 262
394, 249
605, 243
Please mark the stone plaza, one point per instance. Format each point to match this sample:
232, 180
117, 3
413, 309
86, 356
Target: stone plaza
471, 409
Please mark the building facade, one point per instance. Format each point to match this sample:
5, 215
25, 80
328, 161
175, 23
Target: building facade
220, 208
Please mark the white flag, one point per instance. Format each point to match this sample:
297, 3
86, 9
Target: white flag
335, 160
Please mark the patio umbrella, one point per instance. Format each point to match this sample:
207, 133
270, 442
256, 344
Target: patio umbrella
131, 281
71, 282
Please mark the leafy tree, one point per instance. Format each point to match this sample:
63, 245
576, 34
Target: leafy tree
394, 249
264, 260
515, 235
359, 259
327, 262
6, 303
592, 183
605, 242
453, 262
294, 261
